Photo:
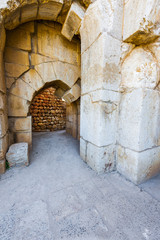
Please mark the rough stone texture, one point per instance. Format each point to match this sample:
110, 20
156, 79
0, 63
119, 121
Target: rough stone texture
48, 111
73, 94
17, 155
25, 77
141, 26
59, 197
49, 10
73, 21
20, 130
73, 119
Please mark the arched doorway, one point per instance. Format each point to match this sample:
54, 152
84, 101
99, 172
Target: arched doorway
40, 60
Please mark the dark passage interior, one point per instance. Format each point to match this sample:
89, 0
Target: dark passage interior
48, 111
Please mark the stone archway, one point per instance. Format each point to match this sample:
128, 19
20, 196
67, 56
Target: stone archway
23, 63
43, 58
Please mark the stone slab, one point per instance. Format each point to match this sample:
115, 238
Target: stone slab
17, 155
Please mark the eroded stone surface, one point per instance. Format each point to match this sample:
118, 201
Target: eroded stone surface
59, 196
17, 155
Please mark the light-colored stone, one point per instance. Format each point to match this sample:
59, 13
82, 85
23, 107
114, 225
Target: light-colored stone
15, 70
23, 137
139, 120
53, 71
19, 38
101, 16
73, 94
15, 56
101, 65
49, 10
73, 20
67, 73
140, 70
142, 25
38, 59
99, 117
17, 155
17, 107
20, 124
138, 166
100, 159
22, 89
46, 72
52, 44
33, 79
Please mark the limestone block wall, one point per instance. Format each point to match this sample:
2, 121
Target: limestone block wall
73, 119
101, 38
138, 151
37, 56
3, 104
48, 111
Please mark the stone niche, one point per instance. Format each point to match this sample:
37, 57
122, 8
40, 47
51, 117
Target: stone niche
48, 111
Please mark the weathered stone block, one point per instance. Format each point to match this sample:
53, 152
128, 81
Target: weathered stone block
17, 155
100, 159
29, 12
101, 16
2, 37
20, 124
12, 55
33, 78
2, 166
19, 38
73, 20
101, 65
99, 118
38, 59
67, 73
2, 77
138, 166
13, 19
15, 70
73, 94
49, 9
83, 149
49, 37
140, 70
139, 120
22, 89
141, 26
17, 107
3, 146
23, 137
3, 124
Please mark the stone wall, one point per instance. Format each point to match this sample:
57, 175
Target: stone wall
48, 111
3, 105
37, 56
73, 119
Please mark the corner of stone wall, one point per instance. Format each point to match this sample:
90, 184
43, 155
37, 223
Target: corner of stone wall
138, 147
3, 105
101, 37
